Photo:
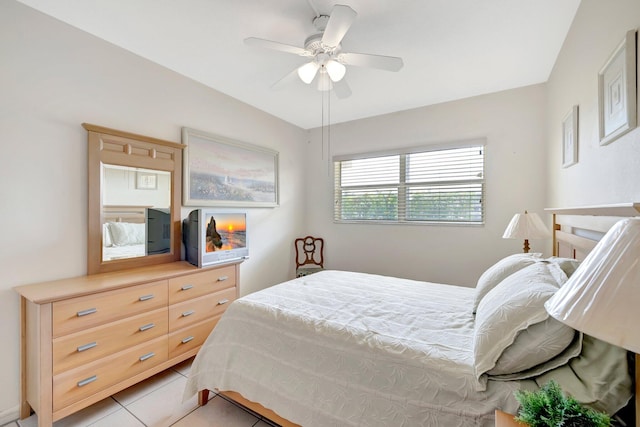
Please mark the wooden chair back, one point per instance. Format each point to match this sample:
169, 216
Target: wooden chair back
309, 251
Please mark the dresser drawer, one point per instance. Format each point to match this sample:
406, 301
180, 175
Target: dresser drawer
189, 338
198, 309
80, 313
76, 384
201, 283
74, 350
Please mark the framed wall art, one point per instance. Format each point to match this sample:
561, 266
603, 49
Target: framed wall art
570, 138
220, 171
146, 181
617, 91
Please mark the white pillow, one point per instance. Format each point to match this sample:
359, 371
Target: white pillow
532, 346
127, 233
568, 265
511, 320
573, 350
500, 271
106, 235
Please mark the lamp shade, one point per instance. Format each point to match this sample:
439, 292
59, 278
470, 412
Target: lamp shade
526, 226
307, 72
335, 70
602, 297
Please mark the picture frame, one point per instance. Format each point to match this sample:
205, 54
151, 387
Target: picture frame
146, 181
220, 171
570, 138
617, 103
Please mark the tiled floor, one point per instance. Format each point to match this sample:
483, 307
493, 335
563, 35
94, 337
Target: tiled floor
158, 402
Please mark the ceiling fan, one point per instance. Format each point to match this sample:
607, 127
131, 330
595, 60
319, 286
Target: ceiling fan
327, 60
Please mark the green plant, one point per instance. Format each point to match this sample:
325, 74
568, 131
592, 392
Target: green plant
550, 407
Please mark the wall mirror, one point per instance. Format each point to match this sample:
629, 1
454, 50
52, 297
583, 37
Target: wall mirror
134, 200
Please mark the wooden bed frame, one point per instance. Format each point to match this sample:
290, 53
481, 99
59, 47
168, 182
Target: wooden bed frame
576, 231
123, 213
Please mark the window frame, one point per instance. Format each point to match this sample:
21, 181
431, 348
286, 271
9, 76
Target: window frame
402, 186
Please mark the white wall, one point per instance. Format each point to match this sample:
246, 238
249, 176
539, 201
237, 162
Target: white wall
513, 124
604, 174
54, 77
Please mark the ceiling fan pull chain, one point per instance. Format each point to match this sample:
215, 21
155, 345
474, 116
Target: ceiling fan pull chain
328, 134
322, 125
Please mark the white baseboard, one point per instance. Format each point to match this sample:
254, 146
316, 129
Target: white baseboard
8, 415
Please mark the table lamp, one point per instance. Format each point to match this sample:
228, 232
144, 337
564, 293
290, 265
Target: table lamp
526, 226
602, 297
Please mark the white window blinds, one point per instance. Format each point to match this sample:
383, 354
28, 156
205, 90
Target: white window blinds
444, 185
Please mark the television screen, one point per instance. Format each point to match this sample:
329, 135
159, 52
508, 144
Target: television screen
212, 237
225, 231
158, 226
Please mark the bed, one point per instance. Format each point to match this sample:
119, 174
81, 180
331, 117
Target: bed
342, 348
123, 232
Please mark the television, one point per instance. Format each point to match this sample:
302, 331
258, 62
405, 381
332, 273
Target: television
212, 237
158, 228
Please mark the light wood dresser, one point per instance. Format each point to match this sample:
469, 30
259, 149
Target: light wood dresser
86, 338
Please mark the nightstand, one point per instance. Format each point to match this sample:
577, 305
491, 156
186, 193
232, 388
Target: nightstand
506, 420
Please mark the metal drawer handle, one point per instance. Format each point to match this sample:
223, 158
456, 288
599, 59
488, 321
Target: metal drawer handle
147, 356
147, 327
87, 312
86, 381
186, 287
223, 278
187, 339
87, 346
146, 297
223, 301
187, 313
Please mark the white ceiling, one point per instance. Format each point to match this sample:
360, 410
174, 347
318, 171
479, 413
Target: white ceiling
452, 49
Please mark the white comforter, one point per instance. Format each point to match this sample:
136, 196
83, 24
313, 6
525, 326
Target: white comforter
350, 349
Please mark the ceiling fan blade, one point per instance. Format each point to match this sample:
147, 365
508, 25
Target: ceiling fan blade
340, 20
389, 63
341, 89
286, 80
253, 41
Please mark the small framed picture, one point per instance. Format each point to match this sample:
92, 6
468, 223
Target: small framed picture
570, 138
617, 91
146, 181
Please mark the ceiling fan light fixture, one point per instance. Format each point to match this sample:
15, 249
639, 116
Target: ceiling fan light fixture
335, 69
324, 82
307, 72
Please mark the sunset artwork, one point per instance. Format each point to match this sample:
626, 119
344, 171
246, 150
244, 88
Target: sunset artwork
228, 233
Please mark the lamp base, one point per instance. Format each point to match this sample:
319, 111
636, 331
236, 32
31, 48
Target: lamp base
526, 246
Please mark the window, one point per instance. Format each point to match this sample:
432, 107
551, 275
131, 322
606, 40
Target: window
443, 185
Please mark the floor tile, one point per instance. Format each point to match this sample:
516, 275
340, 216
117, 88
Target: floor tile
11, 424
218, 413
83, 418
163, 406
143, 388
183, 368
120, 418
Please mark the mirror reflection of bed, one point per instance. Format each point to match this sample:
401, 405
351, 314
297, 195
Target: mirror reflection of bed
136, 212
135, 231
